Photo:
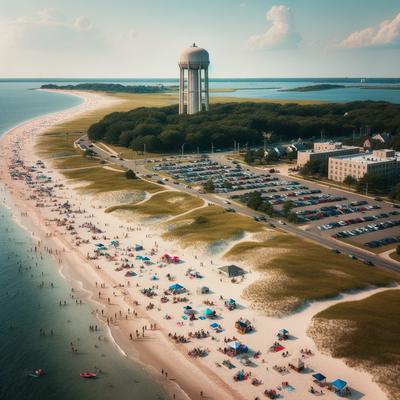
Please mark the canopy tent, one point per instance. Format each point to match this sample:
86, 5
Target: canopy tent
235, 345
319, 377
176, 286
339, 384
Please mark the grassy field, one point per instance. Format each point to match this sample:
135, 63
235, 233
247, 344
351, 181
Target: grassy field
298, 271
163, 204
367, 334
76, 161
99, 179
395, 256
210, 224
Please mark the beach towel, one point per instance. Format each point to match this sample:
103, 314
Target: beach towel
202, 318
184, 317
278, 348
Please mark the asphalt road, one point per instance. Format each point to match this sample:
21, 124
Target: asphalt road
140, 170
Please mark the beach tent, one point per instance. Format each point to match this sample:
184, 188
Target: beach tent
319, 377
205, 290
176, 286
339, 384
138, 247
235, 345
154, 278
208, 311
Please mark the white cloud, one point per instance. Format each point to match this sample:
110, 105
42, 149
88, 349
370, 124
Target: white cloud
386, 34
83, 24
281, 33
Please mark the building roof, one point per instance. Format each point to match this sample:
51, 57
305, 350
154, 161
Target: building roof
232, 270
331, 150
367, 158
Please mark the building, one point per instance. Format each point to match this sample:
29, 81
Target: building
324, 150
193, 81
380, 162
232, 271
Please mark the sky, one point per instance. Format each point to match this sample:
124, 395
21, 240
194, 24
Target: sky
245, 38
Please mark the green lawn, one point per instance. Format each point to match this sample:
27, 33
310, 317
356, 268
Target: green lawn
395, 256
373, 340
163, 204
210, 224
298, 271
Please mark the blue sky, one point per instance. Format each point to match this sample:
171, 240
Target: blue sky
245, 38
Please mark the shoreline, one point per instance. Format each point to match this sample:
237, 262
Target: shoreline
149, 353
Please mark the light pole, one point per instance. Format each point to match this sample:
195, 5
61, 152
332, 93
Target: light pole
212, 148
183, 148
234, 146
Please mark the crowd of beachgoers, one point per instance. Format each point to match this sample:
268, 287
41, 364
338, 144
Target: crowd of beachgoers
173, 309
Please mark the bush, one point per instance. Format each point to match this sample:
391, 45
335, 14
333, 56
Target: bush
130, 174
209, 186
350, 181
200, 220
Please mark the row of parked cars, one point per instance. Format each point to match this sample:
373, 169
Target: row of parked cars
332, 211
382, 242
224, 177
366, 229
359, 220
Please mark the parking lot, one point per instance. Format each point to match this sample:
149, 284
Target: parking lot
325, 210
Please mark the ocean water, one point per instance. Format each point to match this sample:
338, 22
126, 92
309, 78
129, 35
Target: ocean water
269, 87
26, 307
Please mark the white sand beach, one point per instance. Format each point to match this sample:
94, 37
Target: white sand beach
69, 224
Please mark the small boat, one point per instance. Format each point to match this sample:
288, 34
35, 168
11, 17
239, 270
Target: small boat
37, 373
88, 375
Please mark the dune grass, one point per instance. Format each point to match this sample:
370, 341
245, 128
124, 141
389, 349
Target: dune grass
104, 180
298, 271
163, 204
394, 256
367, 334
210, 224
77, 161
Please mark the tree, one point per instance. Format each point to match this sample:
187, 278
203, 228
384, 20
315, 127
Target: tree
317, 167
88, 153
349, 180
254, 200
249, 157
287, 206
398, 249
209, 186
201, 219
130, 174
374, 183
292, 217
395, 193
266, 207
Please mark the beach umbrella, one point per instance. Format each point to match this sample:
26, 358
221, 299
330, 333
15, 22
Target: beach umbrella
99, 245
339, 384
319, 377
283, 331
145, 258
208, 311
187, 307
176, 286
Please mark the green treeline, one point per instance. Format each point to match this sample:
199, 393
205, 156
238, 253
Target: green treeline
314, 88
112, 87
164, 130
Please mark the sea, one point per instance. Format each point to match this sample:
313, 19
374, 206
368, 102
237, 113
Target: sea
31, 285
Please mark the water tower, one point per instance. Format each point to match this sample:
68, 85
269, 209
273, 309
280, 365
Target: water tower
193, 82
